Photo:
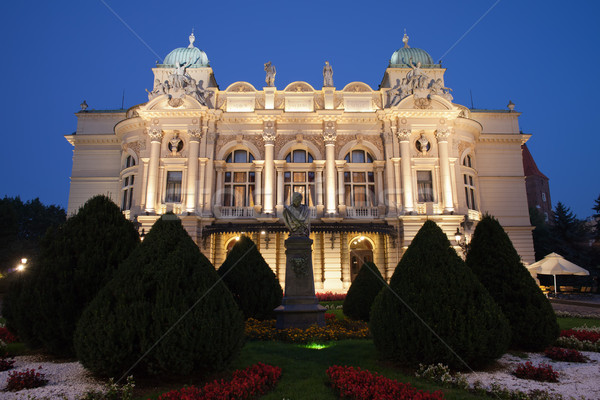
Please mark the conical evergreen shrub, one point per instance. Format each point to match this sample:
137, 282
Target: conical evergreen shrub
251, 281
76, 260
432, 290
359, 299
165, 310
493, 258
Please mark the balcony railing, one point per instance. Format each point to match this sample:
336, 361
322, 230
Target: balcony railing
362, 212
237, 212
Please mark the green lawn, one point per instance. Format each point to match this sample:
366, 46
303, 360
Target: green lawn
572, 322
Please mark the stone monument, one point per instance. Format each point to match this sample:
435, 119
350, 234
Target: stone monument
300, 307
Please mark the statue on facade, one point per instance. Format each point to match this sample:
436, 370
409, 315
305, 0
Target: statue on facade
416, 78
270, 70
437, 87
159, 89
297, 217
327, 75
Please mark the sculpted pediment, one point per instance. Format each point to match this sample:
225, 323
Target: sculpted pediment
425, 101
299, 87
357, 87
166, 102
240, 87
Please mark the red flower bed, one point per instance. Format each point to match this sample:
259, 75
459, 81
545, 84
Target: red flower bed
581, 335
6, 364
329, 316
247, 383
330, 296
571, 355
543, 372
356, 384
6, 336
28, 379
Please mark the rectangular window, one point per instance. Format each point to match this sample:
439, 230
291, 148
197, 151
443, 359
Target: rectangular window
239, 177
358, 177
425, 186
173, 190
360, 196
543, 197
239, 195
299, 176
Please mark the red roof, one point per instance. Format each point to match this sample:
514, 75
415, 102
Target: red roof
529, 166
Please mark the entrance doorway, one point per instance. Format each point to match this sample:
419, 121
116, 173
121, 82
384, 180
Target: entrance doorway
361, 251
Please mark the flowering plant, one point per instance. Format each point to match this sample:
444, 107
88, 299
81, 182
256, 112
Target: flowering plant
28, 379
590, 334
6, 364
543, 372
353, 383
558, 354
334, 330
6, 336
330, 296
582, 338
248, 383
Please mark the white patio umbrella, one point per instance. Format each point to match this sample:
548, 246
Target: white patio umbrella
555, 264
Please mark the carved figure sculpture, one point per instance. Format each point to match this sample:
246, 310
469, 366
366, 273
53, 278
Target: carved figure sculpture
297, 217
327, 75
270, 70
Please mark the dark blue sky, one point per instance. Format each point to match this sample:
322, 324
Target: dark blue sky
542, 55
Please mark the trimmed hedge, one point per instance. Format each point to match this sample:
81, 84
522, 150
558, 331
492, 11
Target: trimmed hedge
433, 290
166, 300
493, 258
251, 281
367, 284
76, 260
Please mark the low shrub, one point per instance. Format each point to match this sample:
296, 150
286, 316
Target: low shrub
6, 364
354, 383
113, 392
28, 379
570, 355
330, 296
333, 330
440, 373
6, 336
248, 383
543, 372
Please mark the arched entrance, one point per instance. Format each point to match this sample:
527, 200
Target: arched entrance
361, 251
230, 243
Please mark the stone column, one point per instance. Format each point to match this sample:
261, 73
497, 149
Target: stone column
209, 183
194, 136
319, 165
442, 135
279, 167
340, 164
268, 135
202, 172
258, 192
329, 136
156, 135
407, 187
397, 180
379, 188
220, 167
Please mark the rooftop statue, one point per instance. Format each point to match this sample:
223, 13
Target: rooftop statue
327, 75
270, 70
297, 217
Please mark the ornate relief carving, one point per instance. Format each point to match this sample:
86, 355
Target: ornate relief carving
257, 141
357, 87
319, 102
241, 87
317, 141
195, 134
329, 131
462, 146
341, 141
260, 102
175, 102
155, 134
269, 132
442, 134
377, 101
422, 103
299, 87
222, 102
404, 134
279, 102
338, 101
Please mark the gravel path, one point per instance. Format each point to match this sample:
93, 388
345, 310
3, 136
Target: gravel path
68, 379
575, 380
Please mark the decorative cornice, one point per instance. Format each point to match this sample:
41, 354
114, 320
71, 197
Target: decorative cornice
519, 138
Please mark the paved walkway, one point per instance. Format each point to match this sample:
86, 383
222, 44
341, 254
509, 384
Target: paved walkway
588, 305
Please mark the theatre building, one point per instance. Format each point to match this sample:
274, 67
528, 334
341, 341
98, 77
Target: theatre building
372, 165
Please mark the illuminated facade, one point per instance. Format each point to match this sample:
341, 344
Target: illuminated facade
372, 165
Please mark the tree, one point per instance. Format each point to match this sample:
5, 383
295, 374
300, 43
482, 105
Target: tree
165, 307
22, 225
359, 299
76, 260
571, 236
251, 281
543, 243
498, 267
432, 290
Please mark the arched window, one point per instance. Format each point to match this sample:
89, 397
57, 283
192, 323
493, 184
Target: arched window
299, 156
239, 156
129, 161
467, 162
359, 156
361, 251
239, 180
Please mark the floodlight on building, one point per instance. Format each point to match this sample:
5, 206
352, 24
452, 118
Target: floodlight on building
237, 238
457, 236
23, 261
263, 232
20, 267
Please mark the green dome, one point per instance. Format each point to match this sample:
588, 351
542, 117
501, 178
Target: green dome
401, 57
191, 55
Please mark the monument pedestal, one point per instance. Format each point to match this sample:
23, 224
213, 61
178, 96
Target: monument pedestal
300, 307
